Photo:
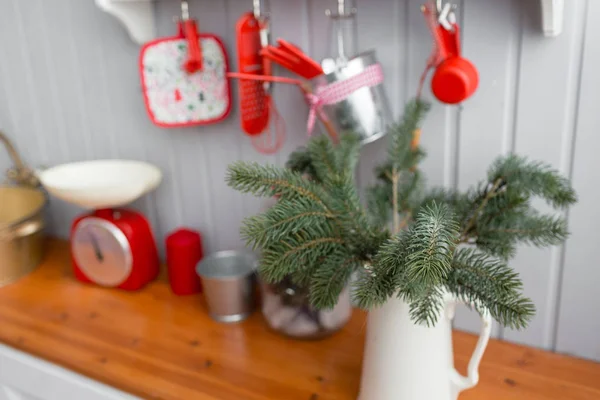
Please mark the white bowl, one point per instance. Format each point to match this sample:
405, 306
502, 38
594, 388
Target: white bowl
101, 183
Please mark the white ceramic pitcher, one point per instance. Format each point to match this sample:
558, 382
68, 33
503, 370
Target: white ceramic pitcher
405, 361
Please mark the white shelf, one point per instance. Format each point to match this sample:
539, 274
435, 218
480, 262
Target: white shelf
552, 17
136, 15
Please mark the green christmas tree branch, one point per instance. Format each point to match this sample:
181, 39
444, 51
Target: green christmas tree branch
319, 233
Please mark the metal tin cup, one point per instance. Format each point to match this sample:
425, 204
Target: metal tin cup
228, 280
366, 111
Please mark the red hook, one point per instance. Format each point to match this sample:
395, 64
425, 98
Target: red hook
189, 29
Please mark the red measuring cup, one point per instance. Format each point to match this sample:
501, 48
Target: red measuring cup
455, 79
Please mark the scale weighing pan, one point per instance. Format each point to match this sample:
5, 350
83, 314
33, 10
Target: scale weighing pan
101, 184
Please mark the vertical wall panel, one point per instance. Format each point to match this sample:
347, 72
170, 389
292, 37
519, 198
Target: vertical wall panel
544, 131
438, 127
288, 98
579, 316
388, 39
69, 90
491, 41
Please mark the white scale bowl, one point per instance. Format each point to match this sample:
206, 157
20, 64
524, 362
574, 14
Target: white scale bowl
101, 183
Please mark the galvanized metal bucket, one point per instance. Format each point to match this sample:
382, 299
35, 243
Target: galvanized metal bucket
229, 283
366, 111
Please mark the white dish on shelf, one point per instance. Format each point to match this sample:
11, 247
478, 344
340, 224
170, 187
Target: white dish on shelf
101, 183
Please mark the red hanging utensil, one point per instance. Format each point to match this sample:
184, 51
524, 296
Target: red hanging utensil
455, 78
253, 97
292, 58
189, 29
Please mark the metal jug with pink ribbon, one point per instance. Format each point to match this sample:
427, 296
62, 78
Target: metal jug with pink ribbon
350, 94
352, 98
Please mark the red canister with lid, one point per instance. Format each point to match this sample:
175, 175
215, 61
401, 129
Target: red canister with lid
184, 251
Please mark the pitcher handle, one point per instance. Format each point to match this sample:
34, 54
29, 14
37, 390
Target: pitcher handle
462, 382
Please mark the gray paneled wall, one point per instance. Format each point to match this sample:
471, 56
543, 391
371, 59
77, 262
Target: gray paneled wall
69, 90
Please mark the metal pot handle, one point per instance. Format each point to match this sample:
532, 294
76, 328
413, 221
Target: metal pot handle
21, 230
20, 173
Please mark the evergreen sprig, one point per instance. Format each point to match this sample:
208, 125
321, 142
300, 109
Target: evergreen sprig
443, 241
490, 284
533, 178
432, 239
402, 136
385, 275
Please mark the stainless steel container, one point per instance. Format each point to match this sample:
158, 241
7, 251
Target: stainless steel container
21, 221
366, 111
21, 231
228, 281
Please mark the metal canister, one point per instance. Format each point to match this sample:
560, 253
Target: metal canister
366, 111
21, 220
21, 231
229, 284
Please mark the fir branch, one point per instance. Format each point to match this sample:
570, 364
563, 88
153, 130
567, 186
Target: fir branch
330, 279
286, 217
427, 306
323, 158
538, 230
348, 208
410, 191
508, 202
300, 161
490, 285
269, 180
401, 153
433, 238
378, 204
534, 178
485, 198
500, 236
382, 279
295, 252
347, 153
395, 214
319, 232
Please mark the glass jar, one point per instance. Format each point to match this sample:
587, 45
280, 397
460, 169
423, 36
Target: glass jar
286, 309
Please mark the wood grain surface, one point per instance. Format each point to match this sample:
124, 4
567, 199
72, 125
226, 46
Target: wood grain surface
160, 346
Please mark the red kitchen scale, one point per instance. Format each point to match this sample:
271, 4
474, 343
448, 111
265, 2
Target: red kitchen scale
111, 246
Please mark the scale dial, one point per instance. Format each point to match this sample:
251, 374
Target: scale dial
101, 251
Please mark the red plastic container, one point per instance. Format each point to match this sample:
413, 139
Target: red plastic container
184, 251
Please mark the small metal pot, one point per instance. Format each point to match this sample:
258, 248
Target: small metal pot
21, 231
228, 280
366, 111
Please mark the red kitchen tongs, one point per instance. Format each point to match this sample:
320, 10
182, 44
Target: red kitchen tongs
292, 58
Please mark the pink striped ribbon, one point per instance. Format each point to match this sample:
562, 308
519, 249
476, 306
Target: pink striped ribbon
338, 91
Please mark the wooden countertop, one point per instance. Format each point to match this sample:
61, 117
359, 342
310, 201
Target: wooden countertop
160, 346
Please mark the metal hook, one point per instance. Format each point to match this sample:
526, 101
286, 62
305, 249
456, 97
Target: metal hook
438, 6
256, 9
260, 9
447, 17
185, 10
341, 11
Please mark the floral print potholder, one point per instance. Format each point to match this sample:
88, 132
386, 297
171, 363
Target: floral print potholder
175, 98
